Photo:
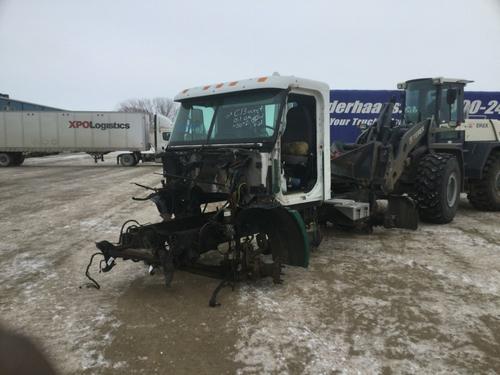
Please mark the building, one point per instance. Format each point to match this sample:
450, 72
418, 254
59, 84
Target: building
8, 104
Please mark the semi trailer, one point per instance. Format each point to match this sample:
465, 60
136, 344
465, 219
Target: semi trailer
137, 136
249, 177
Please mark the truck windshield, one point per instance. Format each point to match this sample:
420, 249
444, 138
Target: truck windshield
245, 117
420, 101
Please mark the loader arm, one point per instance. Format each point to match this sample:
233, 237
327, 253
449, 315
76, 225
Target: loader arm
406, 142
381, 154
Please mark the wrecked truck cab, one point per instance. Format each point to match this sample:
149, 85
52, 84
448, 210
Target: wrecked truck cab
245, 171
247, 183
284, 118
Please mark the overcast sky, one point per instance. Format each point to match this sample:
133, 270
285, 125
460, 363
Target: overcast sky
92, 54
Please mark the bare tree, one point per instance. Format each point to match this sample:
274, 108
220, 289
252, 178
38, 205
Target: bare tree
163, 106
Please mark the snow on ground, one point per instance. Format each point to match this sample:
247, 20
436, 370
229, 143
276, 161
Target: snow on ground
394, 301
47, 239
412, 302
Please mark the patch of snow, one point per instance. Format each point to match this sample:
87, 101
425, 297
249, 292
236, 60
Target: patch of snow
286, 332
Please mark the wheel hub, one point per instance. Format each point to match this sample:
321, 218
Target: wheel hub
452, 190
3, 160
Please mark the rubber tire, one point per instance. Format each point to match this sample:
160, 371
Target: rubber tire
128, 160
433, 175
6, 159
483, 194
316, 235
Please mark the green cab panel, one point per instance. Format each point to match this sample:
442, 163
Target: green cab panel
298, 240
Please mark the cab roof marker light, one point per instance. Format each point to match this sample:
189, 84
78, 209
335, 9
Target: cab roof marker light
218, 86
234, 83
206, 87
185, 91
262, 79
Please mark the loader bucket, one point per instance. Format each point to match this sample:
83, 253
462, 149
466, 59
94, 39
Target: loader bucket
357, 163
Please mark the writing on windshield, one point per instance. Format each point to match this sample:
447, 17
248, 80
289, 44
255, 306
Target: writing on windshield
242, 117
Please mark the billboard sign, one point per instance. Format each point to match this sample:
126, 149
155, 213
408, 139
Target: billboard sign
352, 111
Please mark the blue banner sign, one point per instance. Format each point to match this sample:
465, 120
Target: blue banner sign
352, 111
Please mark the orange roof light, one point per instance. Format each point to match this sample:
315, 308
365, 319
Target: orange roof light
219, 85
185, 91
262, 79
234, 83
206, 87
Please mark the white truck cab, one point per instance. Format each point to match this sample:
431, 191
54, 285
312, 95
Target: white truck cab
292, 111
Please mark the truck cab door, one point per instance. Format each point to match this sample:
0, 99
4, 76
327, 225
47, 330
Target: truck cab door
302, 146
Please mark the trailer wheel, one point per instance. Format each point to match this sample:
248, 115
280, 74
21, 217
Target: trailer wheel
6, 159
484, 194
438, 188
128, 160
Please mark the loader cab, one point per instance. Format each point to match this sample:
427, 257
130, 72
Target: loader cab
438, 98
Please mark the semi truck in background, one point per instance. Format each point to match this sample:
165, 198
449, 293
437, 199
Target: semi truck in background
137, 136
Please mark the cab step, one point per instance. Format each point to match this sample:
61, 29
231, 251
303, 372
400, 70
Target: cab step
352, 209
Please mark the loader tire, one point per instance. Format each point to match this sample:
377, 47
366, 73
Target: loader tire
6, 159
438, 188
128, 160
484, 194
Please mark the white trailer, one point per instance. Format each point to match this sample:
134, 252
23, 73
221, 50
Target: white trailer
137, 135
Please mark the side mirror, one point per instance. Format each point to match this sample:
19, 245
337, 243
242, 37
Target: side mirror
451, 96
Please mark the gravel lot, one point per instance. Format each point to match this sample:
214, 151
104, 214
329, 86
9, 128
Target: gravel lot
392, 302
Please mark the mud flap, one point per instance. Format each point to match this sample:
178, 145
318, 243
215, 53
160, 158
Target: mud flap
401, 212
286, 231
293, 234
